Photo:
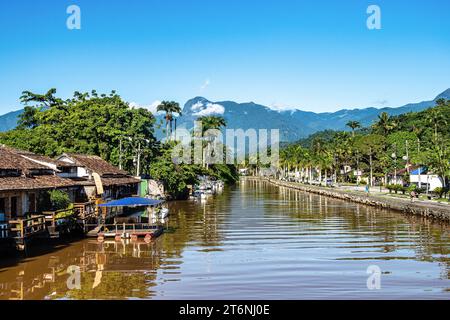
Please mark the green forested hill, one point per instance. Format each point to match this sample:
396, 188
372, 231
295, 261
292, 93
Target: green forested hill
414, 138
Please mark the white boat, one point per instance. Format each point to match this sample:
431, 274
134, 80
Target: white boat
164, 213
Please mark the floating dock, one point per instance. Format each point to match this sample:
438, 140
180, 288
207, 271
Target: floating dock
126, 231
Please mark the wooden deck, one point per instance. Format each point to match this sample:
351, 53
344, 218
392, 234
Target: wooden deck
22, 230
131, 231
82, 217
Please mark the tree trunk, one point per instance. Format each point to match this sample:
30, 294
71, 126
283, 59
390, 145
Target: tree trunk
175, 129
167, 130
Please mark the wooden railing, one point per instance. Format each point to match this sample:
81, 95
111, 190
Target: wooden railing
85, 210
24, 228
4, 231
53, 217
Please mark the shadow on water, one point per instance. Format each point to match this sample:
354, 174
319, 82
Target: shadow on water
37, 248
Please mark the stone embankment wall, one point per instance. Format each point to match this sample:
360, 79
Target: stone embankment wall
421, 208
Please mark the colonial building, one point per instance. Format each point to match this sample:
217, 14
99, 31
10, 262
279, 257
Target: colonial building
97, 177
425, 179
22, 182
25, 177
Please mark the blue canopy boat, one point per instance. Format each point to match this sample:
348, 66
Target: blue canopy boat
126, 229
132, 202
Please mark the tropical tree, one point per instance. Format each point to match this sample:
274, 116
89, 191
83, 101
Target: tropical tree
88, 123
436, 118
439, 160
371, 149
210, 123
169, 107
385, 124
353, 125
46, 100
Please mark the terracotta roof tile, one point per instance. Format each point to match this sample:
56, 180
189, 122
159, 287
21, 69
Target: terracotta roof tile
33, 183
119, 181
12, 160
96, 164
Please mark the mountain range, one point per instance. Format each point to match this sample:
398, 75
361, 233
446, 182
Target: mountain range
293, 124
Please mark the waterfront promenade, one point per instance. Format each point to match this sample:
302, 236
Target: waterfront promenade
425, 208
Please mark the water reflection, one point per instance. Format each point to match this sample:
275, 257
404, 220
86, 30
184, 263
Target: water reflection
254, 241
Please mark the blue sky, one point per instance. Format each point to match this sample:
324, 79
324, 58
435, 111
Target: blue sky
313, 55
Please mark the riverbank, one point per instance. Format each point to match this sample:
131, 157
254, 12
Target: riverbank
254, 241
435, 211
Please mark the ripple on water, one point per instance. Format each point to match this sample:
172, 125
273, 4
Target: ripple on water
254, 241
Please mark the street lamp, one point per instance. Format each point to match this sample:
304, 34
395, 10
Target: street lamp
120, 149
394, 156
138, 166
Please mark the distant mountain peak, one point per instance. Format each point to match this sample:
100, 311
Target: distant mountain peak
196, 100
444, 95
293, 124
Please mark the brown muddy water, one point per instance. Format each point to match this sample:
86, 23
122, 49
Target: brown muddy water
253, 241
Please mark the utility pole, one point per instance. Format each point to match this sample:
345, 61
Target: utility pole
138, 166
407, 157
420, 173
138, 155
371, 167
120, 153
394, 157
175, 132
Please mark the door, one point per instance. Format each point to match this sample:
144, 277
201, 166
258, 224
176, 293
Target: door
13, 207
32, 203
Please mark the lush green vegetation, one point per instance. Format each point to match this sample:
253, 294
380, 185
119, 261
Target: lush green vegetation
88, 123
59, 200
390, 143
106, 125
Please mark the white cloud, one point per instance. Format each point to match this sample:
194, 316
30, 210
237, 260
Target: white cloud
197, 106
281, 107
152, 107
201, 110
205, 85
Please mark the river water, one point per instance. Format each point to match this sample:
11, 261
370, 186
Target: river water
253, 241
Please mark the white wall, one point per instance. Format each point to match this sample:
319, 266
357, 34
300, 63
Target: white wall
432, 179
82, 173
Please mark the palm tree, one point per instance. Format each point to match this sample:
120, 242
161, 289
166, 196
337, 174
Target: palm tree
210, 123
385, 123
418, 131
342, 151
435, 117
169, 107
353, 125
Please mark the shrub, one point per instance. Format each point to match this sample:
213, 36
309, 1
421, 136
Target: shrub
396, 188
414, 188
59, 199
440, 191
